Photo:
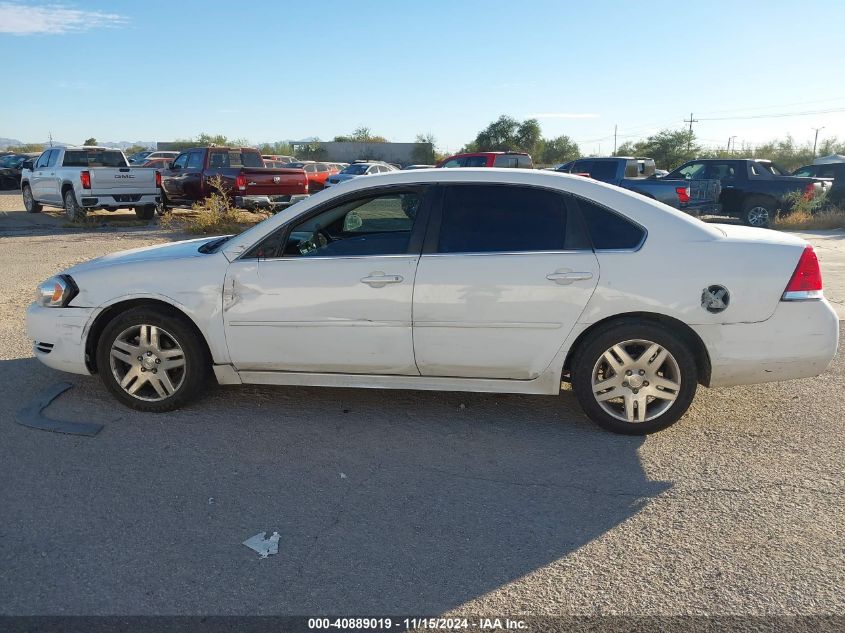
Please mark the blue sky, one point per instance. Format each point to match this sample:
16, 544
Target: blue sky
153, 70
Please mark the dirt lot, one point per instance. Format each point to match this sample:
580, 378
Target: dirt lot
406, 502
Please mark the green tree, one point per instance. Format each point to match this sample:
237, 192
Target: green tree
26, 148
205, 140
423, 152
558, 150
668, 148
89, 141
508, 134
362, 134
278, 148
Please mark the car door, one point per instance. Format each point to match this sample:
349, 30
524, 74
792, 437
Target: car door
192, 188
726, 173
52, 182
505, 273
36, 180
331, 291
171, 181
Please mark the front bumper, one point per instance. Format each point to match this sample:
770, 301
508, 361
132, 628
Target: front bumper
58, 336
272, 203
798, 341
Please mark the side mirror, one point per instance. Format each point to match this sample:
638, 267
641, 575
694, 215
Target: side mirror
27, 164
172, 165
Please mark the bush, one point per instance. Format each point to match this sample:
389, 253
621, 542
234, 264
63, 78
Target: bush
214, 215
803, 212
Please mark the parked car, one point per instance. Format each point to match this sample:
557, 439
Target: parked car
358, 169
138, 157
82, 179
143, 157
157, 163
250, 184
277, 158
453, 280
488, 159
317, 173
11, 167
752, 189
418, 167
637, 174
836, 192
825, 170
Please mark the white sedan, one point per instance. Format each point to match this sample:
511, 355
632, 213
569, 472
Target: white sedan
489, 280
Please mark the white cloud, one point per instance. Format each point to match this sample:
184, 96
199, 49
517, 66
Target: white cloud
564, 115
21, 19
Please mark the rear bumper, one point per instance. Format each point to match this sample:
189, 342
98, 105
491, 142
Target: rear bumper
118, 201
268, 202
798, 341
58, 336
702, 208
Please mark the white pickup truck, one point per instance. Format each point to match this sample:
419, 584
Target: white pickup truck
81, 179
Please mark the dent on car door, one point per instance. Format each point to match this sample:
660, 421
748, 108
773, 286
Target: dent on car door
332, 290
504, 276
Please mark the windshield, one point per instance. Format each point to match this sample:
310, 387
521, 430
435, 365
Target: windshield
356, 170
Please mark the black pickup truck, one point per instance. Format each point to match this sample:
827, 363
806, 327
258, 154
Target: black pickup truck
752, 190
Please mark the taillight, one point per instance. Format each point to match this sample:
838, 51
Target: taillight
683, 194
240, 182
806, 281
809, 191
158, 179
306, 185
85, 179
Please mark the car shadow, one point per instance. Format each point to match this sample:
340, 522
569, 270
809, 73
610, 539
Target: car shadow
386, 501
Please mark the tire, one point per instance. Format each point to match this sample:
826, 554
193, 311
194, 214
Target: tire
73, 211
758, 212
29, 202
162, 207
591, 368
146, 212
160, 338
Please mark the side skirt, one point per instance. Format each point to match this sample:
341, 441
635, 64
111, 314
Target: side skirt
546, 384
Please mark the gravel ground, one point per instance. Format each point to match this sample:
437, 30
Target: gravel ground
407, 502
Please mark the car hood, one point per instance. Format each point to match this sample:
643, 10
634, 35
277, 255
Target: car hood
174, 250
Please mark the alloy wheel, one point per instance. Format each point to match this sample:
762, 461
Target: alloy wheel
147, 362
636, 380
758, 216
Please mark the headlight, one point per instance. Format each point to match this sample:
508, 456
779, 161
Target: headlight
56, 292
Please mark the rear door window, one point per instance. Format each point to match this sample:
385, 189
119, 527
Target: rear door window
195, 160
504, 160
501, 218
609, 230
604, 170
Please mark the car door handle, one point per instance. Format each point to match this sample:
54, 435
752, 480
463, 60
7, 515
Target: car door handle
564, 277
378, 279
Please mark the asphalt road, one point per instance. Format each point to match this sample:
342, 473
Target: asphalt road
408, 502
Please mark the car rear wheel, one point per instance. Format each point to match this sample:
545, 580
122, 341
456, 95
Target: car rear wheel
73, 210
29, 202
634, 378
146, 212
152, 360
758, 212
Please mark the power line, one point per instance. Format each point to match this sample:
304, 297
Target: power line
778, 105
772, 116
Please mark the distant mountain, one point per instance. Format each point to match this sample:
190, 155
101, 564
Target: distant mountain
10, 142
6, 142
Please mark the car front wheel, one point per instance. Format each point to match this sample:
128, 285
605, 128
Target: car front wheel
152, 360
634, 378
29, 201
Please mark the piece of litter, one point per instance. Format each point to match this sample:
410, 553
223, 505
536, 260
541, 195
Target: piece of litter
264, 546
343, 475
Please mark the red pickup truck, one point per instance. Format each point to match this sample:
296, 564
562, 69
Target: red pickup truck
251, 185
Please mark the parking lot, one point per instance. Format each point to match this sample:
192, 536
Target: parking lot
407, 502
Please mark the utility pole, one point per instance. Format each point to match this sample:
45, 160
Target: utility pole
731, 140
614, 139
816, 140
689, 138
50, 136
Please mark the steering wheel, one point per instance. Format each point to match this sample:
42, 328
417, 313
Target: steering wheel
320, 238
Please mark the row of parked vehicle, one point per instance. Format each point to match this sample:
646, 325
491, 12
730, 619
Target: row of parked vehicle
753, 190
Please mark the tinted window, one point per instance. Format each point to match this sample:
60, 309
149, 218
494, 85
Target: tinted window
604, 170
495, 218
321, 167
181, 161
693, 171
524, 161
375, 225
609, 230
42, 160
356, 170
93, 158
582, 166
195, 160
804, 172
504, 161
474, 161
454, 162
